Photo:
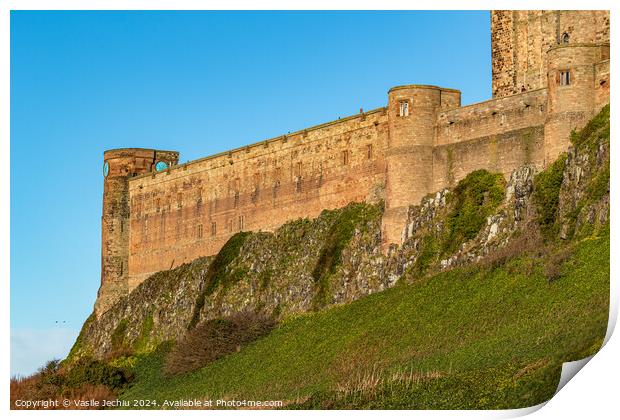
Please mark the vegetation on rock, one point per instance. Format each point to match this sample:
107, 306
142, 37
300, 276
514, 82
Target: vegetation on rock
216, 275
77, 350
330, 258
474, 199
547, 196
449, 336
448, 341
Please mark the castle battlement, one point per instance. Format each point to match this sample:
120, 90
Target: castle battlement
550, 76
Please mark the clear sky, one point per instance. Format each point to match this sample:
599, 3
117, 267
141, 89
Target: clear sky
196, 82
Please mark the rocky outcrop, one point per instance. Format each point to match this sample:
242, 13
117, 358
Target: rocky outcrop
273, 273
584, 192
307, 265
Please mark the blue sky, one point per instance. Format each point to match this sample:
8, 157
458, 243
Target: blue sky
196, 82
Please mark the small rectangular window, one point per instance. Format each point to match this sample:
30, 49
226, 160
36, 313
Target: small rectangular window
213, 228
564, 77
241, 222
199, 231
369, 151
345, 157
157, 205
403, 108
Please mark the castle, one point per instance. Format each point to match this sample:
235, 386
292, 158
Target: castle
550, 75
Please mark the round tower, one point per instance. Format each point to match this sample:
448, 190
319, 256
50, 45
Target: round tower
412, 116
119, 165
571, 93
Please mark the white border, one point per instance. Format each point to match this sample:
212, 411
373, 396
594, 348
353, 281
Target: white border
593, 393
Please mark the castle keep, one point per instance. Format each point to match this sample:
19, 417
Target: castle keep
550, 74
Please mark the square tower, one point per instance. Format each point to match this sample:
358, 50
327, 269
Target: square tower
520, 40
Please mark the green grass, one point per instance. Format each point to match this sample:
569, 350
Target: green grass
479, 338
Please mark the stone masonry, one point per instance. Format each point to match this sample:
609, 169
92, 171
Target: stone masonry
550, 75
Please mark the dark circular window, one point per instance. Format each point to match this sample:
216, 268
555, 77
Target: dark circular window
106, 169
160, 166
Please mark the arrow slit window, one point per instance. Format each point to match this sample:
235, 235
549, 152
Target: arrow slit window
403, 108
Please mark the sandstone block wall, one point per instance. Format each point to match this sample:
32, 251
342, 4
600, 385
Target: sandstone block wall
421, 142
409, 154
571, 105
119, 166
498, 135
520, 40
191, 210
601, 84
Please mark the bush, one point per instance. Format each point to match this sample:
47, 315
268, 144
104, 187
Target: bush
85, 380
528, 241
214, 339
96, 372
33, 388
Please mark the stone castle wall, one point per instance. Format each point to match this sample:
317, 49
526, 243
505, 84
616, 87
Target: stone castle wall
191, 210
498, 135
120, 165
421, 142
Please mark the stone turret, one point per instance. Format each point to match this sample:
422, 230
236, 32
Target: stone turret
412, 116
118, 167
520, 40
571, 82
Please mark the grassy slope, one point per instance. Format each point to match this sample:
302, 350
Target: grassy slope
492, 338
